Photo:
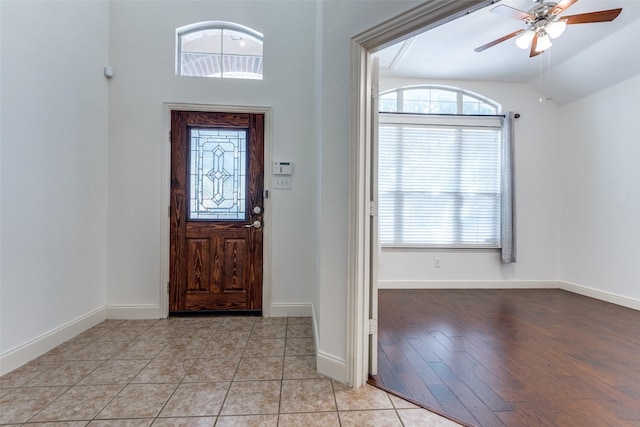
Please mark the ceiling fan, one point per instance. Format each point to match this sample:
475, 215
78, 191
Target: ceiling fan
544, 23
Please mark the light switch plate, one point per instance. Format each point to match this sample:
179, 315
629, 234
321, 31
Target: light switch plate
282, 182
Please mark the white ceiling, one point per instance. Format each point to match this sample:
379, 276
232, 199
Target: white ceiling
585, 59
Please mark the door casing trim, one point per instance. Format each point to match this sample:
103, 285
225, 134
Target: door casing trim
165, 198
412, 22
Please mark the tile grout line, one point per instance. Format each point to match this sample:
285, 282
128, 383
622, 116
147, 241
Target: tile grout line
78, 382
182, 380
335, 402
234, 374
217, 416
96, 339
130, 380
284, 351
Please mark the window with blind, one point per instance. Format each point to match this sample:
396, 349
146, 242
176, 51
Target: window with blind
439, 181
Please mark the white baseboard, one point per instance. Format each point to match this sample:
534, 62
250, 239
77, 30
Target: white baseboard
35, 347
314, 324
290, 310
468, 284
134, 312
601, 295
331, 366
154, 312
512, 284
327, 364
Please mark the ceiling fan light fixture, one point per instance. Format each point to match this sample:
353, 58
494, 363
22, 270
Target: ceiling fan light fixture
543, 23
556, 28
524, 41
544, 42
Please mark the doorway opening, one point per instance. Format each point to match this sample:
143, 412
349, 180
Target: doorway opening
362, 315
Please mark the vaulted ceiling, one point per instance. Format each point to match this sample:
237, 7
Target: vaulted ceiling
583, 60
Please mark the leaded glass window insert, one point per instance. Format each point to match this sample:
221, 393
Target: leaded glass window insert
217, 175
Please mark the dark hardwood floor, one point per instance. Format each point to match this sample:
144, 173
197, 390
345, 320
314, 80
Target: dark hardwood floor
533, 357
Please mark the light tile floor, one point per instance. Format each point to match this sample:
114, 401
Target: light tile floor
222, 371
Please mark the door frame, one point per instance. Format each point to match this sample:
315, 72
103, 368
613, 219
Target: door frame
165, 177
360, 285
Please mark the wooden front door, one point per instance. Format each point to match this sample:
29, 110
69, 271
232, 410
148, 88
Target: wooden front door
216, 212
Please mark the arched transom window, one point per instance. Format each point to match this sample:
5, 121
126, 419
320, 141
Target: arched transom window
219, 49
434, 99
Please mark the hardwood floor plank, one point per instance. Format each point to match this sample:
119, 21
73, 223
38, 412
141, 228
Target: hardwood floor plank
389, 376
451, 405
532, 357
410, 382
526, 415
476, 407
631, 391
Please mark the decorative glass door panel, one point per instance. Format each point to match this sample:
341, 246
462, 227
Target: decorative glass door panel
217, 178
216, 212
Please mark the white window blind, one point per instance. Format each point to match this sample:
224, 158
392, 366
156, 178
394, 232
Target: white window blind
439, 180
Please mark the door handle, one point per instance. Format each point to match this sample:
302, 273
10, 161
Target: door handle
254, 224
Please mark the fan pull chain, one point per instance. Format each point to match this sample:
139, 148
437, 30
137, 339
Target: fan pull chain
540, 78
549, 74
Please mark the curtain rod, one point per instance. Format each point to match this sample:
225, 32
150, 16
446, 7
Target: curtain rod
516, 115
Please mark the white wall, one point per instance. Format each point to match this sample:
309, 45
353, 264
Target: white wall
578, 201
54, 169
341, 20
82, 230
601, 191
74, 253
142, 46
309, 223
537, 196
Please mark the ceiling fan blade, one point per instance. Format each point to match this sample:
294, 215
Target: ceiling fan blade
511, 12
534, 44
600, 16
496, 41
562, 6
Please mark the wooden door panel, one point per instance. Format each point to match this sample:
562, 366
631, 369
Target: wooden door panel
198, 262
228, 271
235, 265
222, 120
216, 264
